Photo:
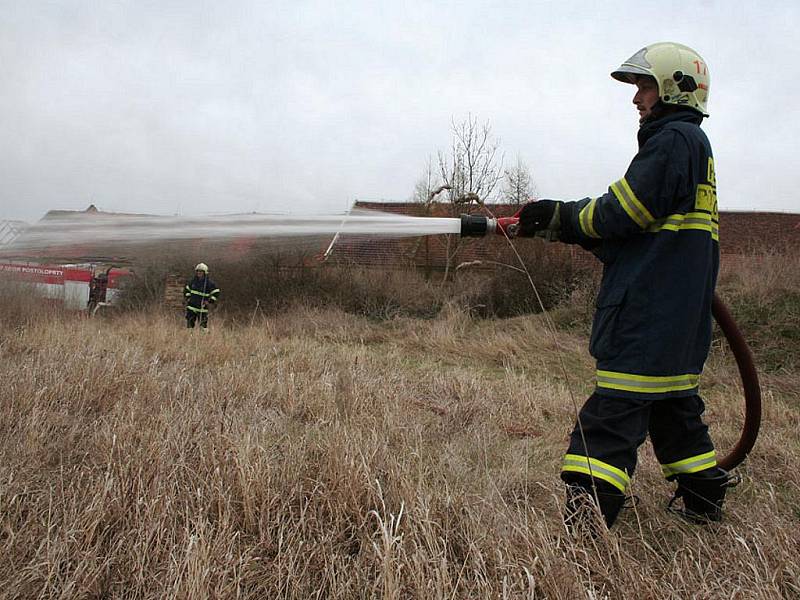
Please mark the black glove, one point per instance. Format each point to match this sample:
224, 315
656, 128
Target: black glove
540, 215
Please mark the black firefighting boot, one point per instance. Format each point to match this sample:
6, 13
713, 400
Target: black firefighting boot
703, 494
580, 512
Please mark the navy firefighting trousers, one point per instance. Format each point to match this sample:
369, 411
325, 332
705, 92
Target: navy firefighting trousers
614, 428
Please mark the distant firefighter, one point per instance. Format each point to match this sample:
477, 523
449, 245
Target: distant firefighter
200, 293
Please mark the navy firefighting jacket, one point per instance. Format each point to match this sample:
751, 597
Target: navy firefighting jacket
656, 231
199, 293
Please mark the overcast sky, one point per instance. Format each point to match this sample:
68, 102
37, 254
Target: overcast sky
194, 107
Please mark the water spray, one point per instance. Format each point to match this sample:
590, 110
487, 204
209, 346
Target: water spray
96, 229
145, 229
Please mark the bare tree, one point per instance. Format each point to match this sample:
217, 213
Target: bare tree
471, 171
473, 167
518, 186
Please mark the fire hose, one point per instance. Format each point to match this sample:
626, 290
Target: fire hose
478, 226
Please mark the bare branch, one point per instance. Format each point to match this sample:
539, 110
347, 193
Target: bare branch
518, 185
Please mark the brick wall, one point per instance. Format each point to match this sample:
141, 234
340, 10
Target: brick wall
748, 232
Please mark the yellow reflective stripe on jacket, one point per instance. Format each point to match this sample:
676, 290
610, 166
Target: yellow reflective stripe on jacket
631, 204
197, 310
204, 295
214, 291
693, 464
694, 220
586, 219
576, 463
646, 383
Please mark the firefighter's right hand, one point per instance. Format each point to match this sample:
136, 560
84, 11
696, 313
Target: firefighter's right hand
539, 216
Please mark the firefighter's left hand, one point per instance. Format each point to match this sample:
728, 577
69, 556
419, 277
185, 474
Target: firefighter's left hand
540, 215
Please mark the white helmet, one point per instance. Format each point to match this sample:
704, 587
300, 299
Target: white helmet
201, 267
681, 74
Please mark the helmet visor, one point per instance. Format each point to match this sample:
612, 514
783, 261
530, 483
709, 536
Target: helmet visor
627, 73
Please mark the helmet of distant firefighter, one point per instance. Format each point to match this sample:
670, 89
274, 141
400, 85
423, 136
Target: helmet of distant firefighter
681, 73
201, 267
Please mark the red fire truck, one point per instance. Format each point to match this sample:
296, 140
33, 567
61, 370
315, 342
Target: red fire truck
83, 286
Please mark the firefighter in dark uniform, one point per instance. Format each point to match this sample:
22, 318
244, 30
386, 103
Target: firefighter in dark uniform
656, 231
200, 293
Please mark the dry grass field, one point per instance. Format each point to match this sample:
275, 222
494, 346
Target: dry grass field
318, 454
